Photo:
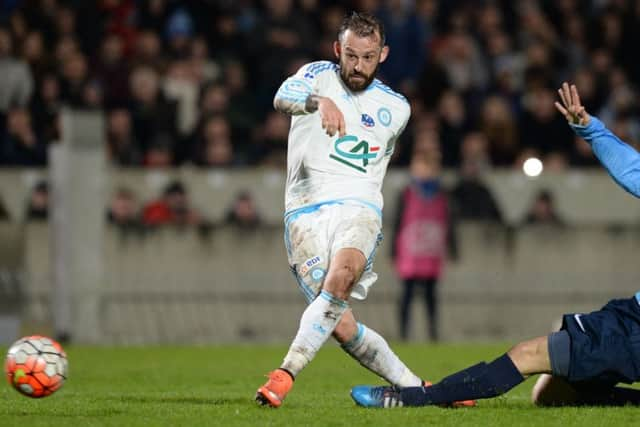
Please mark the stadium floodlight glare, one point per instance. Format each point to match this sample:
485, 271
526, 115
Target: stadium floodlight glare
532, 167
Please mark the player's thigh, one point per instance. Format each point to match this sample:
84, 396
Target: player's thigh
532, 356
355, 235
308, 252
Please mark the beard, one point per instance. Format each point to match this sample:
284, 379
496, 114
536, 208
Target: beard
357, 81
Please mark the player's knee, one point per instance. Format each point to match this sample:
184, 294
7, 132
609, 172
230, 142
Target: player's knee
552, 391
340, 281
522, 351
537, 392
539, 398
530, 357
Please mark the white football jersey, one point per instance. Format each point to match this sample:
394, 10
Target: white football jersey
323, 168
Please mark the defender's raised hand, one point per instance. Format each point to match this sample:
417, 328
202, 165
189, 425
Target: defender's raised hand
571, 108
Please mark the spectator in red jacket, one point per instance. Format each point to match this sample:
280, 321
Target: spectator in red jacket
172, 208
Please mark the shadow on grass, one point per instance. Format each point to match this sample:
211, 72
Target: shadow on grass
180, 400
70, 413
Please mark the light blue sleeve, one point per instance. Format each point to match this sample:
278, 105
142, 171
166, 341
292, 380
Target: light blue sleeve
620, 159
292, 94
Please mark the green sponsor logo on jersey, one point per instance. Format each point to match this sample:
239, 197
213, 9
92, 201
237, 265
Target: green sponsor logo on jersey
358, 156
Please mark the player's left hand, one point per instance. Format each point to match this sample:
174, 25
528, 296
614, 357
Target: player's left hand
571, 108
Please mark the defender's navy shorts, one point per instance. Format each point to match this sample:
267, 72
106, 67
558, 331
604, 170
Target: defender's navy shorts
604, 345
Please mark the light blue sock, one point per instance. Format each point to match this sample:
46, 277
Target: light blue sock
373, 352
316, 326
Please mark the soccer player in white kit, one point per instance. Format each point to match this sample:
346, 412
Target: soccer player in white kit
344, 127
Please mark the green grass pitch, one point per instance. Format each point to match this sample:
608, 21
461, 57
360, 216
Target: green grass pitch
201, 386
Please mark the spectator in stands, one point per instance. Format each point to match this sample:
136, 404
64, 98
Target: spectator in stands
330, 19
152, 114
506, 65
582, 155
122, 147
172, 208
407, 38
214, 99
45, 107
461, 58
500, 126
453, 125
213, 145
16, 84
75, 76
179, 31
20, 144
279, 29
555, 162
487, 65
160, 153
148, 51
64, 49
202, 66
181, 86
241, 109
152, 15
228, 36
541, 127
471, 197
33, 53
270, 147
123, 211
218, 150
112, 70
38, 203
423, 237
543, 210
243, 212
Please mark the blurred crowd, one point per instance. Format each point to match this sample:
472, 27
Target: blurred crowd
172, 207
191, 82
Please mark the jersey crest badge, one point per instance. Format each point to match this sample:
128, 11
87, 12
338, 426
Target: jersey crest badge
384, 116
367, 120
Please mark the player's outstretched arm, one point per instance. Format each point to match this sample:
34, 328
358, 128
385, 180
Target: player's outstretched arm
620, 159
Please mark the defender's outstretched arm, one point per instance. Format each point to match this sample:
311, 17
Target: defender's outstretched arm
620, 159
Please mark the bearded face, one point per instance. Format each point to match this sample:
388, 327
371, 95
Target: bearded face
355, 80
359, 57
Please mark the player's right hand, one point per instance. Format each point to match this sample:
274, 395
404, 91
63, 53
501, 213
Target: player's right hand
332, 118
571, 108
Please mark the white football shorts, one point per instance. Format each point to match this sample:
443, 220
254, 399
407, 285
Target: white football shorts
314, 234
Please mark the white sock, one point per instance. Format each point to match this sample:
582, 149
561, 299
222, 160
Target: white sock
373, 352
316, 326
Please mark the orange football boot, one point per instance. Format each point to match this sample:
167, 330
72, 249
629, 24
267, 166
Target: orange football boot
275, 389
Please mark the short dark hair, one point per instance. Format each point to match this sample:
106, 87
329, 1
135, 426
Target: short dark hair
363, 24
